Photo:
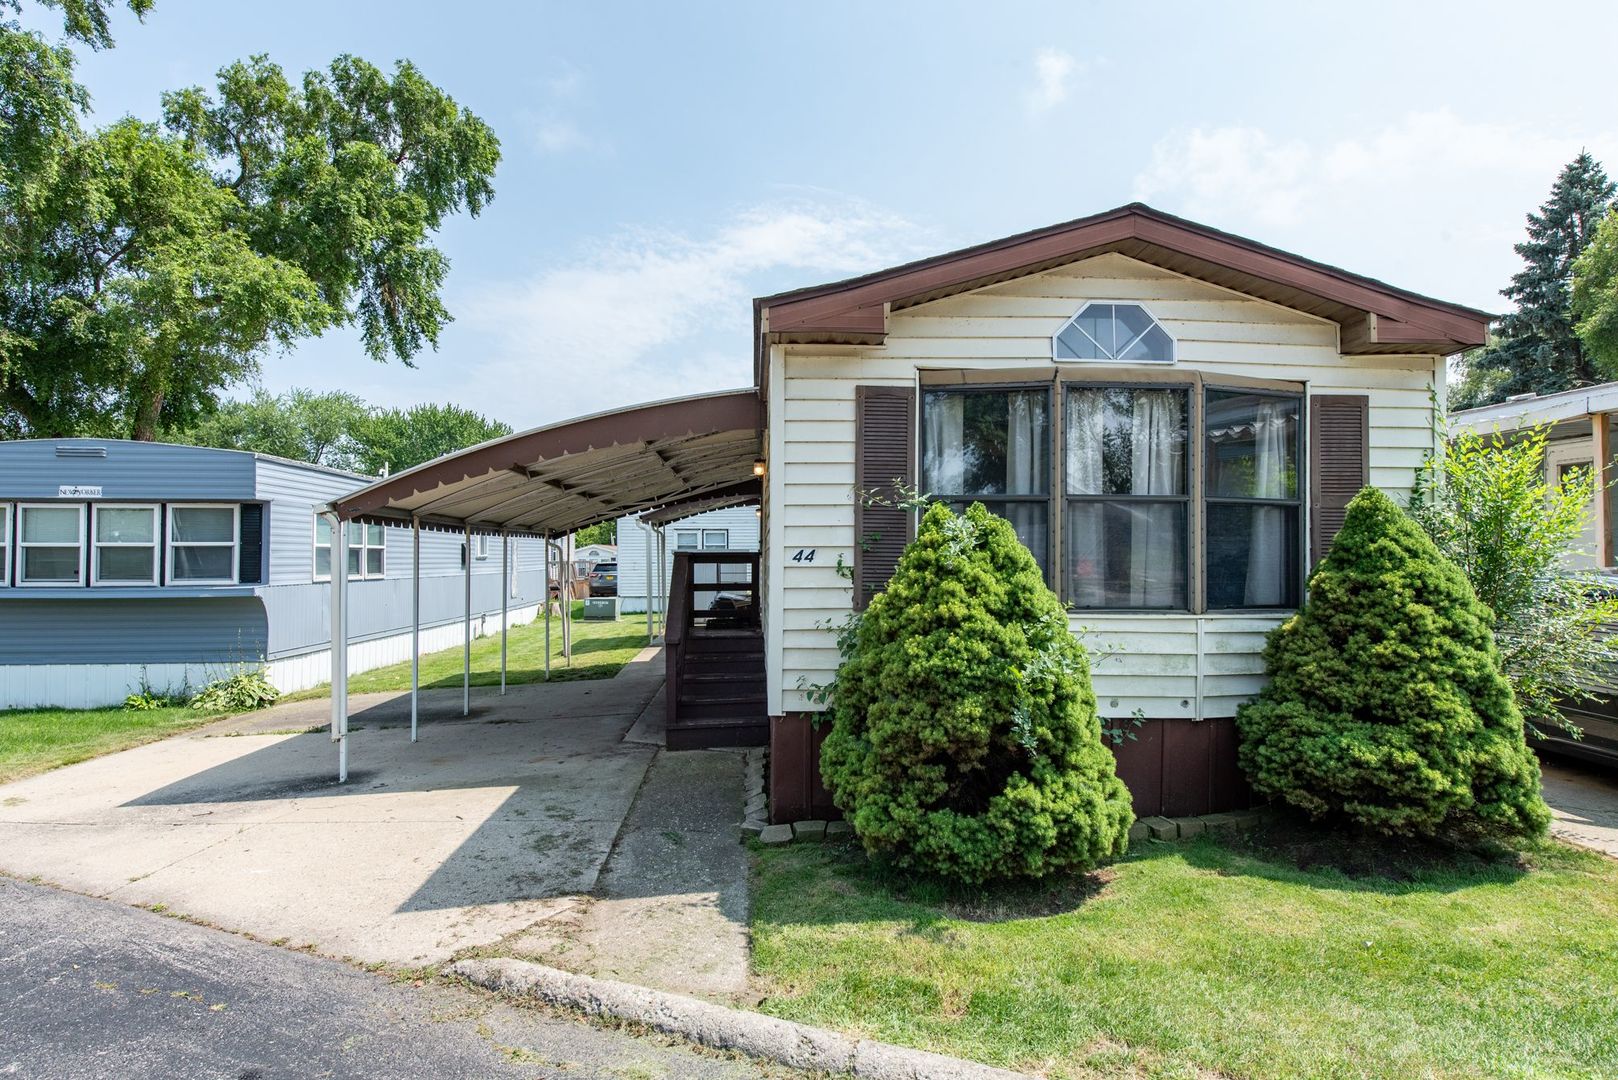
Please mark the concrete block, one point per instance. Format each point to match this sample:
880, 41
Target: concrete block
1161, 828
754, 826
776, 834
809, 830
836, 830
1246, 819
1190, 826
1138, 832
1219, 822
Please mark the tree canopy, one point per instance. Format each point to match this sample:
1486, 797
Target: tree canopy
341, 431
1536, 349
1595, 296
145, 267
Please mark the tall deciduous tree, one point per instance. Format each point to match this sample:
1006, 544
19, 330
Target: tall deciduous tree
143, 268
1538, 350
400, 438
301, 425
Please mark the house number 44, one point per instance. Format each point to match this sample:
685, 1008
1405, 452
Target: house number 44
804, 555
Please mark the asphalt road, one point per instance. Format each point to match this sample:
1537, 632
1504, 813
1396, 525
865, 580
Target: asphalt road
90, 988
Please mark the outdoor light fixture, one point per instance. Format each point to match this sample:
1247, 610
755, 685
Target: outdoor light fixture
758, 467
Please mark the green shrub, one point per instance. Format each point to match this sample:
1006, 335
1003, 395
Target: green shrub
1386, 704
964, 737
241, 692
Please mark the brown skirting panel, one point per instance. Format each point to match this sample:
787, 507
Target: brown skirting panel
1174, 767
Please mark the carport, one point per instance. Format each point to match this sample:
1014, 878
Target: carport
674, 457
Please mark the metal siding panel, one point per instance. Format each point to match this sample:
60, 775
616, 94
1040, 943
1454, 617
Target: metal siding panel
145, 631
30, 469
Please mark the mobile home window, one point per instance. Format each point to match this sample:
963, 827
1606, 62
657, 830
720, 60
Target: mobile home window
367, 550
715, 539
1252, 444
322, 548
1124, 453
480, 544
994, 447
50, 545
5, 544
202, 544
687, 539
125, 545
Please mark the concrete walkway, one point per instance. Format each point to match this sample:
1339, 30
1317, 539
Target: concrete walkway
1584, 804
469, 836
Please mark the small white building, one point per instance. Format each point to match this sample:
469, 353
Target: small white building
733, 528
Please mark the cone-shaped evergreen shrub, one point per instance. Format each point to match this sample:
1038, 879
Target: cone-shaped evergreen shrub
1386, 703
965, 740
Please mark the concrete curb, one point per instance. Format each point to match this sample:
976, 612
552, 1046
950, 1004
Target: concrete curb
797, 1046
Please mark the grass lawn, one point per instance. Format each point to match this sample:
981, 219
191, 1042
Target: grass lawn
599, 650
36, 740
1212, 957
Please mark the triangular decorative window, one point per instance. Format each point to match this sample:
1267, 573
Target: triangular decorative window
1114, 332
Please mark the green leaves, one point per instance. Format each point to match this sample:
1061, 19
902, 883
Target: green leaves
143, 268
1485, 502
1386, 704
1595, 296
964, 739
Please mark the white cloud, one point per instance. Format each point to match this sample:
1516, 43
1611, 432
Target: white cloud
655, 313
557, 136
1053, 76
1430, 201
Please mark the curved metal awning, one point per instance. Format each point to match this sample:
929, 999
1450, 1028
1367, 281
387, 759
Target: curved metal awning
567, 476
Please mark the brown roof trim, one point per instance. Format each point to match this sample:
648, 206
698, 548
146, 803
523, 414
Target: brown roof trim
854, 311
733, 410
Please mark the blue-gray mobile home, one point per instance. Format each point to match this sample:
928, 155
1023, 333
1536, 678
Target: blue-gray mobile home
130, 562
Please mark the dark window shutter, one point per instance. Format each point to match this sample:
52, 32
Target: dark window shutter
884, 432
251, 561
1339, 463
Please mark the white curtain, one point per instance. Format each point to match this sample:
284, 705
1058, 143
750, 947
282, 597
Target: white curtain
1155, 559
1086, 420
1267, 545
1026, 473
944, 463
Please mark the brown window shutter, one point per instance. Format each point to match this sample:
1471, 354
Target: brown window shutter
1339, 463
884, 433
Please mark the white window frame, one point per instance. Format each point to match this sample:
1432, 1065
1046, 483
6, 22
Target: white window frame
696, 544
96, 544
480, 545
722, 532
5, 545
1174, 342
235, 543
23, 582
314, 550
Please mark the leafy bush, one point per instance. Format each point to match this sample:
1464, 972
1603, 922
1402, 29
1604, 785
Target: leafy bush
1386, 704
964, 737
146, 701
241, 692
1487, 505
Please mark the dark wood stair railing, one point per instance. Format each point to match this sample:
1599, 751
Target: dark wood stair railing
714, 651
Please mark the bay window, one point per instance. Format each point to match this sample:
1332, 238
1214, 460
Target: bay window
1126, 497
1166, 490
202, 544
125, 545
992, 446
50, 545
1251, 455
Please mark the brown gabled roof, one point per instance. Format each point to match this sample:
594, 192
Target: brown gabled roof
1376, 317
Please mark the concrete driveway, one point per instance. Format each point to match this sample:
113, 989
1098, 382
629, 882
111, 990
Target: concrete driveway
1584, 803
482, 828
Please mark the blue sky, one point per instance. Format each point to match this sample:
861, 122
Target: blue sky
663, 163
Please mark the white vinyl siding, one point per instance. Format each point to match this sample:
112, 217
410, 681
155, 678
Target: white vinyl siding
1163, 664
5, 544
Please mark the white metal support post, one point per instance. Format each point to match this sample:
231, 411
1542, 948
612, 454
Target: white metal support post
415, 622
505, 594
339, 645
547, 607
662, 584
466, 638
646, 549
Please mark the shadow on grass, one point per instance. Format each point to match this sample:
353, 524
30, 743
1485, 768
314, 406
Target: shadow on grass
1289, 848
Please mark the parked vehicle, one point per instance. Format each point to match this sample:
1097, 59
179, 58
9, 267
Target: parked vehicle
604, 579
